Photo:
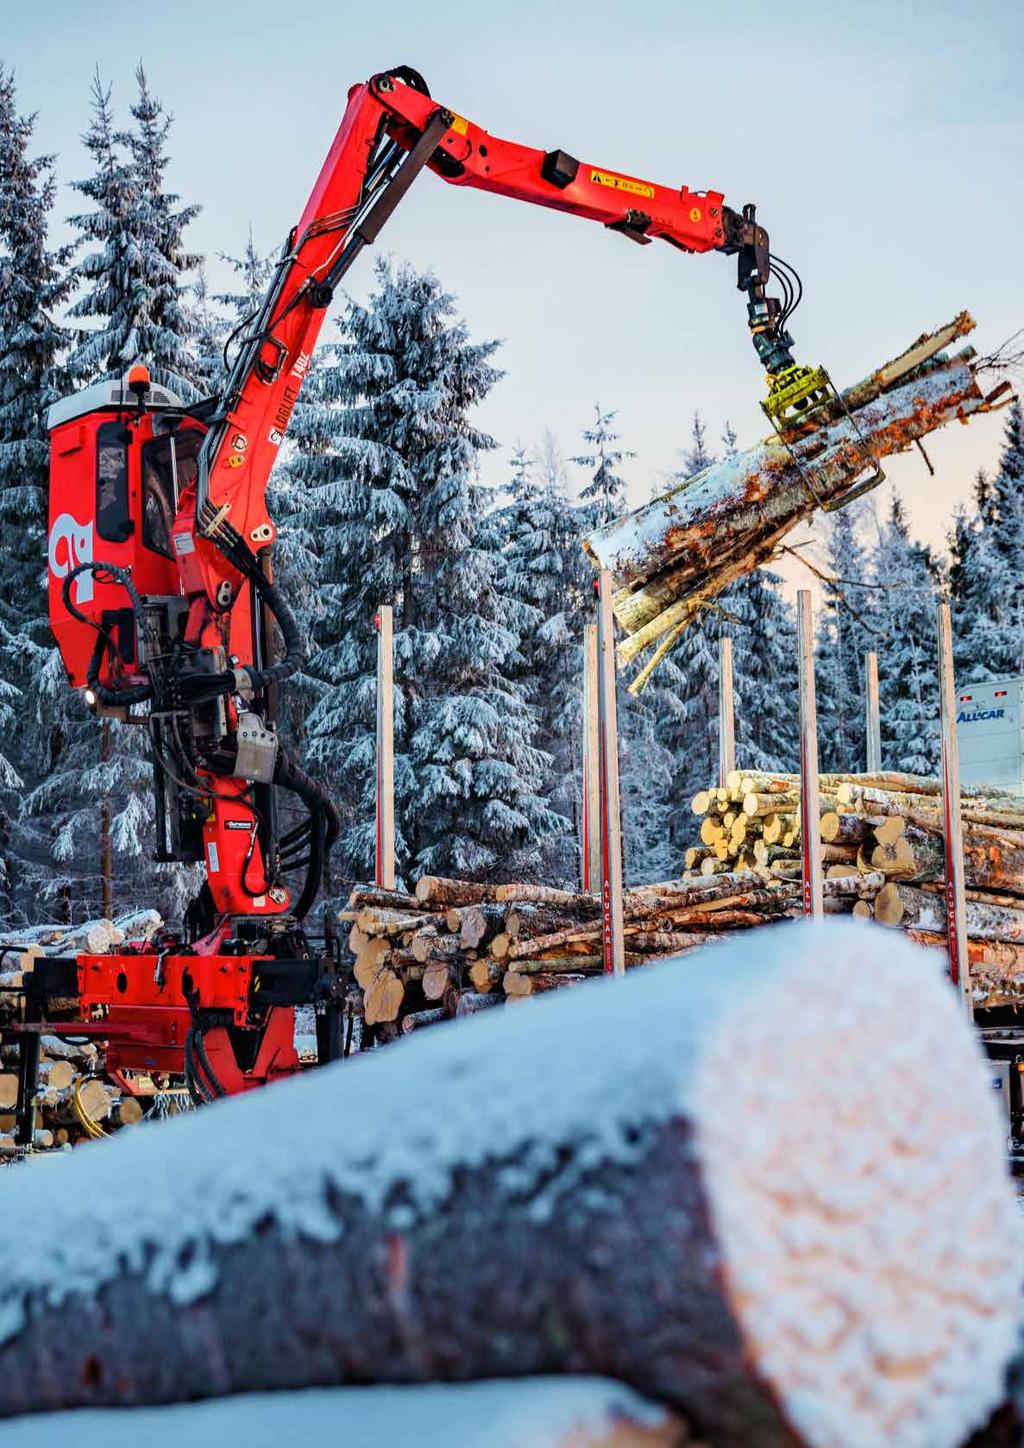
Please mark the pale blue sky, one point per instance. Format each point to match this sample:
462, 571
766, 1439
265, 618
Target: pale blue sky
882, 143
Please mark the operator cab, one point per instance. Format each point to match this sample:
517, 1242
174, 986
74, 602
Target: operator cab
122, 452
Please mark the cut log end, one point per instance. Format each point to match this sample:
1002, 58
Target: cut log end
908, 1356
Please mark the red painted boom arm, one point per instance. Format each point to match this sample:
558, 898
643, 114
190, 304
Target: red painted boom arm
356, 190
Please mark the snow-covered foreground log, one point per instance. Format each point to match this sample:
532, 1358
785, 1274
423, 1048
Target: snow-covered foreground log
532, 1413
674, 555
755, 1185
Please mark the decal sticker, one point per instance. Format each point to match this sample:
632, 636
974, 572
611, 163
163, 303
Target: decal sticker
237, 825
213, 857
301, 365
622, 183
184, 543
234, 460
284, 409
979, 715
695, 214
239, 442
70, 545
275, 437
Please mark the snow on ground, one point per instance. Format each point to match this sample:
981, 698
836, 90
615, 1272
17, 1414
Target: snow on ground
792, 1092
530, 1413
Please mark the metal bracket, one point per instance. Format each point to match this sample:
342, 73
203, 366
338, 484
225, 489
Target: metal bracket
816, 385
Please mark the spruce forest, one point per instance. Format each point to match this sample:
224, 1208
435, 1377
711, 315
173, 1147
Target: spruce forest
389, 492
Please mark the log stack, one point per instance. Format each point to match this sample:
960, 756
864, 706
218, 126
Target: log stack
456, 947
884, 858
672, 557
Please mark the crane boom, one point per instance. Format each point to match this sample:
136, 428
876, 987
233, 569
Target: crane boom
390, 131
162, 596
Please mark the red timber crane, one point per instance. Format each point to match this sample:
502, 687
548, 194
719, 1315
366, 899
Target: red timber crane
162, 597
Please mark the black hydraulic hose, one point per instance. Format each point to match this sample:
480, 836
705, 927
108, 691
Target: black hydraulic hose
324, 824
133, 693
294, 649
204, 1061
197, 1091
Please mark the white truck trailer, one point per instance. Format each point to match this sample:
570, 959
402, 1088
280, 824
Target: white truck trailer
990, 734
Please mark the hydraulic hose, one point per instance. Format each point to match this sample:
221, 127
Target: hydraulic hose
133, 693
324, 824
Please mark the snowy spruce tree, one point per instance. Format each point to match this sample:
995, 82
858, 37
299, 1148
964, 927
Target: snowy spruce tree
93, 801
765, 671
604, 496
547, 576
691, 717
387, 456
845, 632
645, 764
987, 579
133, 269
903, 613
765, 674
33, 289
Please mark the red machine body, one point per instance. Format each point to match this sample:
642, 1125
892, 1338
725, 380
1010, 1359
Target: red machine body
112, 496
162, 595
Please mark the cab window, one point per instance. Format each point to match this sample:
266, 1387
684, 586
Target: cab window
165, 475
113, 521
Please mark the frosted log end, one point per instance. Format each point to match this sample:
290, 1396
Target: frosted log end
870, 1241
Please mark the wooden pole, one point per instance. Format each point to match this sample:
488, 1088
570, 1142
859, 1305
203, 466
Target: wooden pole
726, 713
871, 715
385, 872
590, 852
810, 831
956, 886
611, 821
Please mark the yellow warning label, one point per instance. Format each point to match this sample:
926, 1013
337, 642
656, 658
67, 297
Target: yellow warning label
622, 183
460, 125
695, 214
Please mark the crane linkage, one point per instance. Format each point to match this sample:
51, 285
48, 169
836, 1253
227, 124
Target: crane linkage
163, 601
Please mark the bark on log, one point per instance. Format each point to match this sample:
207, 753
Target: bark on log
673, 556
471, 1002
436, 890
635, 1239
386, 899
518, 985
920, 910
547, 895
844, 829
476, 924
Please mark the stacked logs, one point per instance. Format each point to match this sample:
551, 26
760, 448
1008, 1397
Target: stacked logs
883, 855
75, 1102
455, 947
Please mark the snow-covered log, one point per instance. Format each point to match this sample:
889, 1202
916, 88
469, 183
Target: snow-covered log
763, 1185
533, 1413
674, 555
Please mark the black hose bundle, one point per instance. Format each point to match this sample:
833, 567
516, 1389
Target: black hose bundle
321, 829
107, 573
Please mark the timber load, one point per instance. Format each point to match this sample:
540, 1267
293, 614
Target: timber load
670, 558
453, 948
574, 1189
883, 857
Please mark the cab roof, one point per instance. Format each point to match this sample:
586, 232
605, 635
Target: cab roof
109, 394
